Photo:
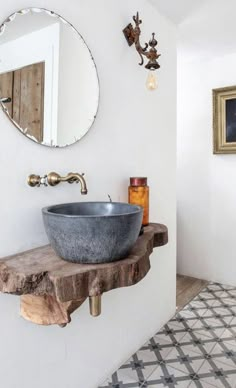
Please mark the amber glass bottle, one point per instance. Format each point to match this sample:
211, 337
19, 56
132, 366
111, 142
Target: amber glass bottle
139, 195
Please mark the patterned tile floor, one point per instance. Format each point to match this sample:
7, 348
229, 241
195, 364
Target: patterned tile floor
197, 348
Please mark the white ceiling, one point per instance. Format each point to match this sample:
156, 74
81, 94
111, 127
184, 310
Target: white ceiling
206, 28
178, 10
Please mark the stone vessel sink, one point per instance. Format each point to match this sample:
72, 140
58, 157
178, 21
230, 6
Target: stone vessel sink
92, 232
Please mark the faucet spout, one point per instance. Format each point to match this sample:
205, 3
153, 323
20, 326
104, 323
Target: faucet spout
76, 177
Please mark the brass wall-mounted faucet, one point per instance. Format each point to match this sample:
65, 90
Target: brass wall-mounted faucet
53, 179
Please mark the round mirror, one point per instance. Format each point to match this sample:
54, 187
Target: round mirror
49, 86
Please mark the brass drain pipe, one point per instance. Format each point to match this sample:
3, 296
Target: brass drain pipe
95, 305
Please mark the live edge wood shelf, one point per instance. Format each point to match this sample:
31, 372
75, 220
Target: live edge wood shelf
51, 289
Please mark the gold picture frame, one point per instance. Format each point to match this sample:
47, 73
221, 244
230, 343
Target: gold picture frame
224, 120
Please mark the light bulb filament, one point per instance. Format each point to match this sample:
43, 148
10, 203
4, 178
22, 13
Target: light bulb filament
151, 82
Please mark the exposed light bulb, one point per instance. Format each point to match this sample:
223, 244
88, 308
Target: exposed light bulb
151, 82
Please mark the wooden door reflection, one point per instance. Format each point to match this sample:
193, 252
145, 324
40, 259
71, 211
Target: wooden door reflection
25, 87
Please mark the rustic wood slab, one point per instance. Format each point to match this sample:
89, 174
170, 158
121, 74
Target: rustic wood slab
46, 310
49, 284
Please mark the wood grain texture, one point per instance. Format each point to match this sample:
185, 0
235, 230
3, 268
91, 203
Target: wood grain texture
31, 99
46, 310
41, 272
6, 89
25, 87
16, 96
187, 289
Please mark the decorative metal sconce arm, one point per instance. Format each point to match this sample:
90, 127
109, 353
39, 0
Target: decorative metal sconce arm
132, 35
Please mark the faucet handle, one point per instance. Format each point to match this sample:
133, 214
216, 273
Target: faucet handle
44, 181
37, 180
34, 180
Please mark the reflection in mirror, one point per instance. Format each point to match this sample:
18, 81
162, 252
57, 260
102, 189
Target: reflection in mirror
48, 80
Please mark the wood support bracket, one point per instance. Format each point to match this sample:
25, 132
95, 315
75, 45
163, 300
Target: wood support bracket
47, 310
51, 289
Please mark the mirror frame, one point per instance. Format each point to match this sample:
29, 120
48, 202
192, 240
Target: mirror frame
3, 26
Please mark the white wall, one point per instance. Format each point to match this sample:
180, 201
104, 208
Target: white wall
134, 134
206, 182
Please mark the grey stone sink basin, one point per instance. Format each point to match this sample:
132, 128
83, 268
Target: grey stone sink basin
92, 232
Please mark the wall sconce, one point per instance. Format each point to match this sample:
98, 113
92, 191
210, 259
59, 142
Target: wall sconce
132, 35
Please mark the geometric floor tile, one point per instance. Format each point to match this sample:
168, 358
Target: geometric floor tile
210, 327
167, 376
202, 384
225, 355
196, 348
188, 362
217, 374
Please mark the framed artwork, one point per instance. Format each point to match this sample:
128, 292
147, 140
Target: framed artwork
224, 120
